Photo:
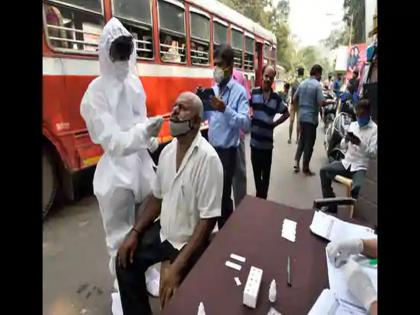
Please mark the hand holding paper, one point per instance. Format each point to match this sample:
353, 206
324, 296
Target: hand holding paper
340, 251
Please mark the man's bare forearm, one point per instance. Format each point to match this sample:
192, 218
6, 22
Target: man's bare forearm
370, 248
150, 213
282, 118
198, 240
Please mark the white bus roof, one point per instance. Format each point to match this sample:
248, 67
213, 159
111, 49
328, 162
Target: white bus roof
225, 12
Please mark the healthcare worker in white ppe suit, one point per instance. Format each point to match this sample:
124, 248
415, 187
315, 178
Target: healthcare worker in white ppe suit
114, 109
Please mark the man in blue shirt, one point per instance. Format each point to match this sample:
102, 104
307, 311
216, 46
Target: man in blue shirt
230, 114
265, 104
310, 98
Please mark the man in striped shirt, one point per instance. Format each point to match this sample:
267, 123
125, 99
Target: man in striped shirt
265, 104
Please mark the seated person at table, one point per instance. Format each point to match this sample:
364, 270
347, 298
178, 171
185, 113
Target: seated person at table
187, 195
361, 143
358, 281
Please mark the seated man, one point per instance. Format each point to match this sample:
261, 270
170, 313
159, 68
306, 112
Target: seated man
187, 195
362, 144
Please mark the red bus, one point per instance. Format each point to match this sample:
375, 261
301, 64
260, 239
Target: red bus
175, 40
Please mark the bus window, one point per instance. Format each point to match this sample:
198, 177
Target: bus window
237, 48
200, 39
274, 55
219, 34
136, 17
249, 54
267, 56
172, 32
74, 25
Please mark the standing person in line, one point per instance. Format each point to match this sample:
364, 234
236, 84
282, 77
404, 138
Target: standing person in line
230, 115
114, 110
265, 104
310, 98
285, 95
239, 178
355, 81
337, 85
294, 107
330, 82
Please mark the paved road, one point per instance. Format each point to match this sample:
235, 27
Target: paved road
75, 274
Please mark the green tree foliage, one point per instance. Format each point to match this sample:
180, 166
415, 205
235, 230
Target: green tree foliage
355, 8
337, 38
352, 9
273, 19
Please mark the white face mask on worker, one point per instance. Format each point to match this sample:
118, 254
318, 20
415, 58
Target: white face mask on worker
121, 69
218, 75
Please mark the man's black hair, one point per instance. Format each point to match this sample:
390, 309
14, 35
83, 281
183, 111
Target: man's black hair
287, 85
265, 67
364, 104
316, 69
339, 77
225, 52
300, 71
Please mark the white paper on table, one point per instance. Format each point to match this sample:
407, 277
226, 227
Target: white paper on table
289, 237
290, 223
338, 283
334, 229
326, 304
289, 230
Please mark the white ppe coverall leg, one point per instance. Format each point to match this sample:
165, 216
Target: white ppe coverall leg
114, 109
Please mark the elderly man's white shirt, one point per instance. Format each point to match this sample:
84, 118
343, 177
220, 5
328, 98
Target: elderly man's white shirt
192, 193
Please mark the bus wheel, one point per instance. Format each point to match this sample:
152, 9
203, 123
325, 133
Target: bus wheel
49, 181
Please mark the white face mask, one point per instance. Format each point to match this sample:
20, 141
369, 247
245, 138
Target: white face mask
218, 75
121, 69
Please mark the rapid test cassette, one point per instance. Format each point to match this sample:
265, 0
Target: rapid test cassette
252, 287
